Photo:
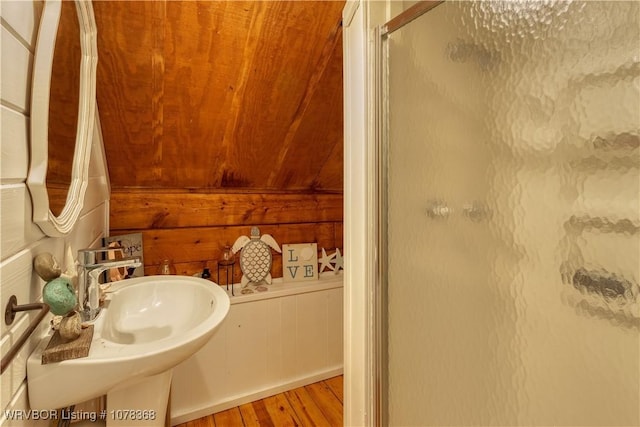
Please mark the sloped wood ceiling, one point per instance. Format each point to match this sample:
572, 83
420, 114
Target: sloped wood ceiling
221, 94
218, 116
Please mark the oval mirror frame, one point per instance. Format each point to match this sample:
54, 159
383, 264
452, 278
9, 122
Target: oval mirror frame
62, 224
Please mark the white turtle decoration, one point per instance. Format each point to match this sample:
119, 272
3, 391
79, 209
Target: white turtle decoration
255, 257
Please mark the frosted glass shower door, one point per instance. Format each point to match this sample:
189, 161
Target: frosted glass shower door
511, 215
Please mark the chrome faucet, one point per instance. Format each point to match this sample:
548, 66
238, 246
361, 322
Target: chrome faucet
89, 271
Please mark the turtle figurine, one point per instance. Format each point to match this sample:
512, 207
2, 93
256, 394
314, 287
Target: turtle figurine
255, 257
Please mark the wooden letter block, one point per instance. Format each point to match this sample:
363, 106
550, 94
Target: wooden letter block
300, 262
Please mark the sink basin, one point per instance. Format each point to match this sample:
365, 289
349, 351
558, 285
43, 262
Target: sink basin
147, 326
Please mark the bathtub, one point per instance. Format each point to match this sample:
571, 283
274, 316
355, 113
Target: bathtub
270, 342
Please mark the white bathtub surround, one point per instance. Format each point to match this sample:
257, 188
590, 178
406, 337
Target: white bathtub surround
273, 341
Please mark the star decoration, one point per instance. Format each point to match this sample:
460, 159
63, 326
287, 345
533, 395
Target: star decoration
325, 261
339, 262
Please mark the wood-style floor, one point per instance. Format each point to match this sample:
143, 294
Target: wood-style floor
317, 404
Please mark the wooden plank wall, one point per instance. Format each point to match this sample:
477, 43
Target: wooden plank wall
218, 116
192, 228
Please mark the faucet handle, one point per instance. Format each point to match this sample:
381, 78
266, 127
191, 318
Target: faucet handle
88, 256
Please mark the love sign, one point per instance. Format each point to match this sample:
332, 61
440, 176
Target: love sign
300, 262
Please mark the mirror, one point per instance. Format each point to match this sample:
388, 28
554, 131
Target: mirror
64, 101
63, 108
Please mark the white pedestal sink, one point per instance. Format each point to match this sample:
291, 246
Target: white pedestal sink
147, 326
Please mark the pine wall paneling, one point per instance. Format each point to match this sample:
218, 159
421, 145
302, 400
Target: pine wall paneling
191, 229
146, 209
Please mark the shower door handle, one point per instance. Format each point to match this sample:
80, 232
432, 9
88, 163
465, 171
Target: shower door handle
476, 211
437, 209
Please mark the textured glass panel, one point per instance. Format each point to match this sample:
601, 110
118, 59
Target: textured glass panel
513, 217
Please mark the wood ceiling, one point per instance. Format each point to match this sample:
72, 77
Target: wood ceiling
216, 95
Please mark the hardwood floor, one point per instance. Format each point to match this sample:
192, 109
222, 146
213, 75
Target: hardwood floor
317, 404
